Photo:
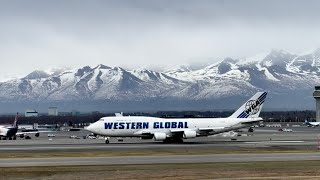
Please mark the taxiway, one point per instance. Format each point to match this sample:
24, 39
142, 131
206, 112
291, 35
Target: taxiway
72, 161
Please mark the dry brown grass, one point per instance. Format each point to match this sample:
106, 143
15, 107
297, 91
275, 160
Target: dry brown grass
249, 170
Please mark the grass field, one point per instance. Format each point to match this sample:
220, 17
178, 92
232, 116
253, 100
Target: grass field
244, 170
248, 170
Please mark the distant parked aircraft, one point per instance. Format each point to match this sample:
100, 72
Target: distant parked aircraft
311, 124
11, 132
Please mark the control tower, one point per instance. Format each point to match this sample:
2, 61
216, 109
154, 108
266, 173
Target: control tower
316, 95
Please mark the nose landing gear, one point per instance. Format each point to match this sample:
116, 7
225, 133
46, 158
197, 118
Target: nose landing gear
106, 139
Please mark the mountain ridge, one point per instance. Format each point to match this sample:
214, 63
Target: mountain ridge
289, 79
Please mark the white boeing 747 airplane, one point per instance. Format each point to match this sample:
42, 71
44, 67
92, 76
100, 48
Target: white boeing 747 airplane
175, 130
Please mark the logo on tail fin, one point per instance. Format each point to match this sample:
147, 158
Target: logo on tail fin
252, 107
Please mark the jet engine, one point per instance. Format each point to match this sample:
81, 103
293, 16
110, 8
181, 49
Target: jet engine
159, 136
189, 134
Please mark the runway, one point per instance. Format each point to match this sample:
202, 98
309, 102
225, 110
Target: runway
213, 158
200, 145
208, 145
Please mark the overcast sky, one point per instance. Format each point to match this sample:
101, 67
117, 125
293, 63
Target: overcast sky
39, 34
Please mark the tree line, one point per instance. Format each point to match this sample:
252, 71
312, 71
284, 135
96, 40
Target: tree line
83, 119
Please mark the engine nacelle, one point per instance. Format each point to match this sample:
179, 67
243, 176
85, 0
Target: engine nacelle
4, 132
189, 134
159, 136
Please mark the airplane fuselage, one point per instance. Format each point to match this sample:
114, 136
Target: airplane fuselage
135, 126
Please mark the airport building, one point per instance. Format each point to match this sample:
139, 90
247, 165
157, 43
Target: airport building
75, 113
53, 111
26, 126
316, 95
31, 113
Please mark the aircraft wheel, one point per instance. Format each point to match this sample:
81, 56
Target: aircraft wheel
176, 140
107, 139
14, 137
179, 140
166, 141
10, 138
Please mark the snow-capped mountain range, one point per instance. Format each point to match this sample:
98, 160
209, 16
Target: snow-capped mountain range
289, 79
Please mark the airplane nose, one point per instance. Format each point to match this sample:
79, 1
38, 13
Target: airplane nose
90, 128
94, 128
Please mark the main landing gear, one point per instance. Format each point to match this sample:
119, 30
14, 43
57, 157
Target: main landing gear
8, 138
173, 140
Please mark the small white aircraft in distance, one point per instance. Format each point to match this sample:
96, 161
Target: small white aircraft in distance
311, 124
9, 132
175, 130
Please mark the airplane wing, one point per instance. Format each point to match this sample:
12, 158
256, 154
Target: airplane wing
201, 131
36, 133
179, 132
144, 132
218, 130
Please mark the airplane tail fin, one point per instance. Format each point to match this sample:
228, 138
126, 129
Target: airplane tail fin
252, 108
15, 123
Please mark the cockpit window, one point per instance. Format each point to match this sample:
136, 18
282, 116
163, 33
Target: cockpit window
101, 119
